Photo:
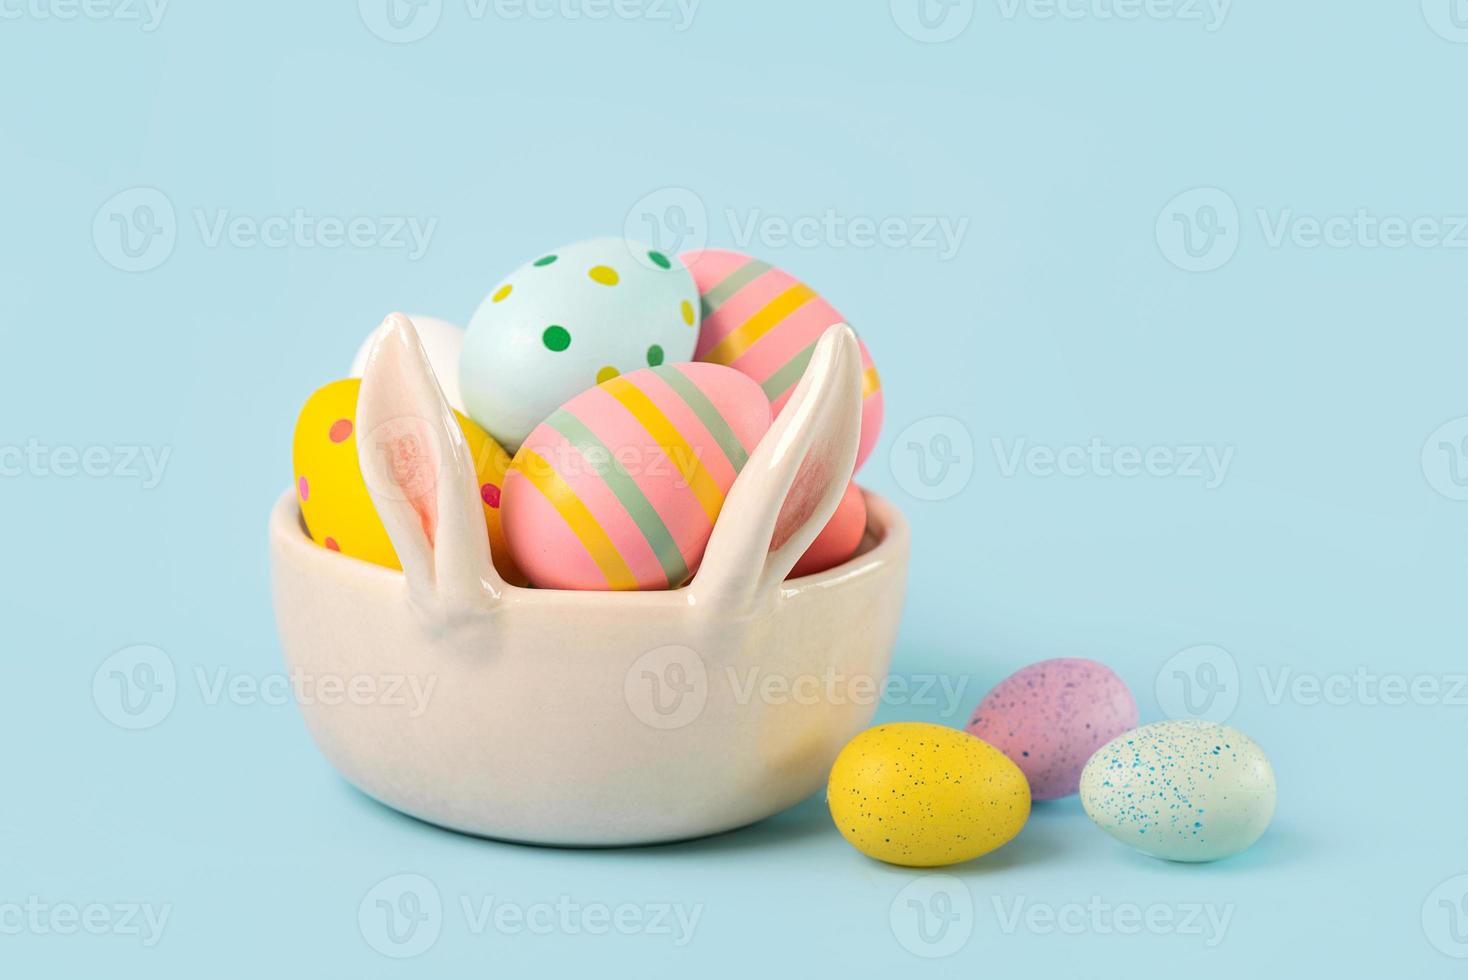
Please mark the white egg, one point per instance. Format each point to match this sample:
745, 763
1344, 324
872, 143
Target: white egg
1181, 790
442, 342
568, 320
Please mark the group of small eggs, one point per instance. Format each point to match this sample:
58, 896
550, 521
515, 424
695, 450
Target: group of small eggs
609, 395
925, 795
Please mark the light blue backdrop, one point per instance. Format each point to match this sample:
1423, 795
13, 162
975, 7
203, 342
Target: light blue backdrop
1172, 229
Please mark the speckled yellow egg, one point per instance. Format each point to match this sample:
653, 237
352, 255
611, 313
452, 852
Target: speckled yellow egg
924, 795
335, 505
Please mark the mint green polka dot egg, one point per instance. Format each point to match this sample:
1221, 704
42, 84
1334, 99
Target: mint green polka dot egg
568, 319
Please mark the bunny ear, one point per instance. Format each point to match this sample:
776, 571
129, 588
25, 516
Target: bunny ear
792, 482
420, 474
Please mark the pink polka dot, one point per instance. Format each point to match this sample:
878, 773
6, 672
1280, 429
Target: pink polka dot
331, 545
305, 489
341, 429
490, 494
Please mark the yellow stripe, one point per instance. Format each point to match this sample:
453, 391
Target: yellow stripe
578, 517
870, 382
728, 350
672, 443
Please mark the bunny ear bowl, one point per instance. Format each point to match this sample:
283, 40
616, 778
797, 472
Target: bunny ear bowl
587, 718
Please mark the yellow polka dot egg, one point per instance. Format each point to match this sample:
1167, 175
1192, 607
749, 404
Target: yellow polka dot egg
335, 505
570, 319
925, 795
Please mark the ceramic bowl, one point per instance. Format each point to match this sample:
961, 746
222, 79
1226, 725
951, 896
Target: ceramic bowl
590, 718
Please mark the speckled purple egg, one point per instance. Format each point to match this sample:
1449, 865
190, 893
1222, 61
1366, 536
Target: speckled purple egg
1051, 716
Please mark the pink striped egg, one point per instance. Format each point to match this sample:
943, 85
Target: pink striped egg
764, 322
619, 488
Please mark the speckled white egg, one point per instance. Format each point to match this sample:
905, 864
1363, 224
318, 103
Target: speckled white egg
1181, 790
442, 342
568, 320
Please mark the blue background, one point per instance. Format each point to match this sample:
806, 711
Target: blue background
1062, 317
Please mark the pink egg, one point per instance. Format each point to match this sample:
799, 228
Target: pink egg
765, 322
1051, 717
840, 537
620, 487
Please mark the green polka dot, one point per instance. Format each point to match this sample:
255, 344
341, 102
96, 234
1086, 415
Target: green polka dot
556, 337
660, 260
542, 263
654, 356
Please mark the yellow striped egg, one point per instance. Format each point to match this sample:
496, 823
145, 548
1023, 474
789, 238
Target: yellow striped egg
764, 322
335, 505
620, 487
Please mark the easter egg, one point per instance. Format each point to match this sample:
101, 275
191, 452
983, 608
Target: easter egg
1051, 716
763, 321
567, 320
620, 487
1181, 790
339, 513
442, 342
925, 795
840, 537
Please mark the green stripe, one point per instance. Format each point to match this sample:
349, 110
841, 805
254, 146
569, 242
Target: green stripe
719, 293
707, 414
784, 379
627, 492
